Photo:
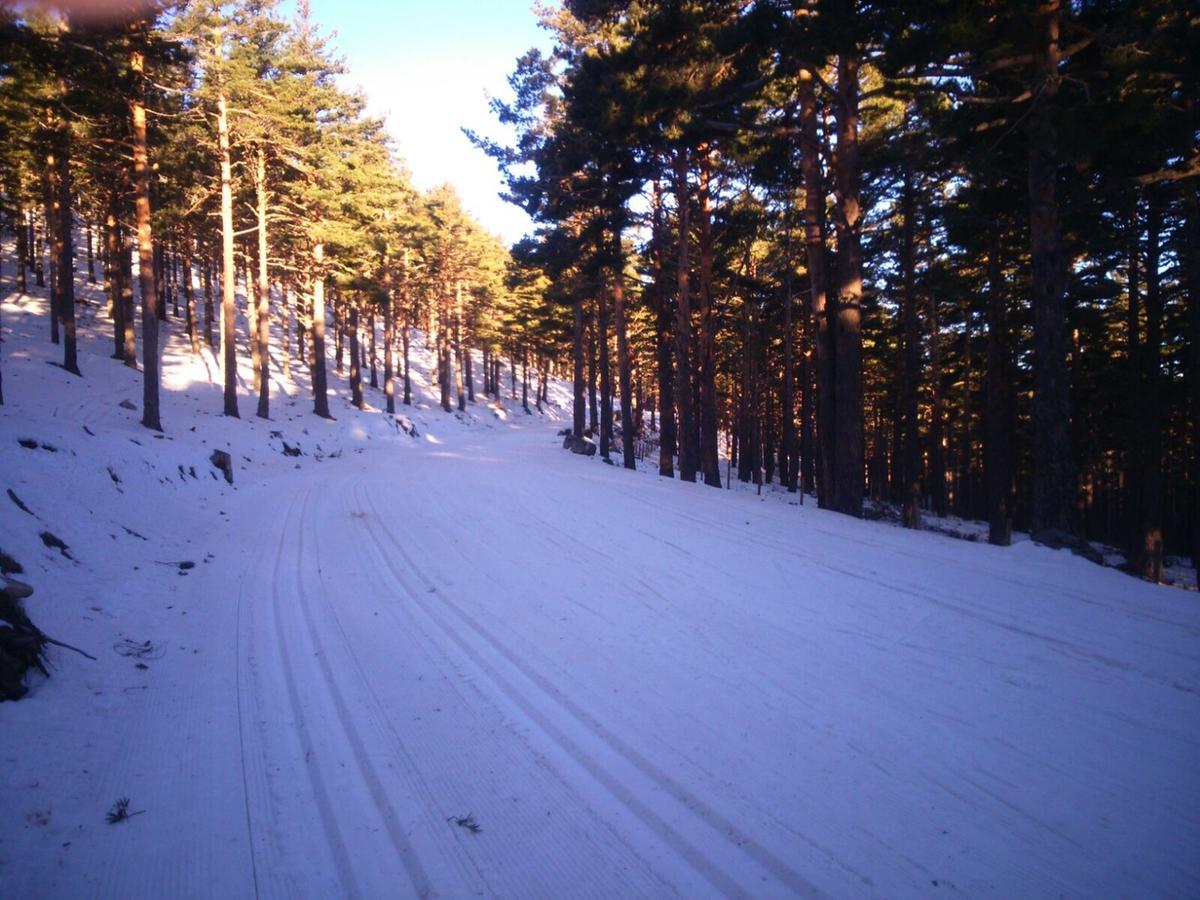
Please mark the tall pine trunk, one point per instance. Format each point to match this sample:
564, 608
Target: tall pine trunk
459, 350
228, 272
264, 287
709, 462
145, 243
1191, 260
1054, 485
1149, 550
189, 295
997, 452
578, 409
606, 409
814, 240
788, 450
624, 362
356, 389
848, 434
662, 329
389, 346
63, 249
320, 384
937, 413
909, 453
115, 275
208, 299
593, 409
688, 448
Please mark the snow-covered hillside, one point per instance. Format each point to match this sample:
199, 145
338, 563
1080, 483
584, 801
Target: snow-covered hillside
443, 657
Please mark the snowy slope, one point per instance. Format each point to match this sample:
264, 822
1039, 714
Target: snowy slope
633, 687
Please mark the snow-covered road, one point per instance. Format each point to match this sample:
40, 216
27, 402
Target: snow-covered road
639, 688
633, 687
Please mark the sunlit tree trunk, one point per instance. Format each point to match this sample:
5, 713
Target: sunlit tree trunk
145, 243
264, 287
228, 272
320, 384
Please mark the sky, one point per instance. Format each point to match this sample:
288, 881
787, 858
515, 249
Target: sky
429, 67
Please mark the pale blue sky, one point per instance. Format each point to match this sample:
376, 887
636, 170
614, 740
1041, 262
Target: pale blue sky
429, 66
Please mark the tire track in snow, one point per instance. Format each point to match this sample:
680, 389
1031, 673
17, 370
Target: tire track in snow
768, 817
950, 603
350, 733
386, 730
687, 803
320, 791
597, 872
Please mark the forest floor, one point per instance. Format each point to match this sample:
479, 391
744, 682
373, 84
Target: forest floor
440, 656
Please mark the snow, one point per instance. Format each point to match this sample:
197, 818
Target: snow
634, 687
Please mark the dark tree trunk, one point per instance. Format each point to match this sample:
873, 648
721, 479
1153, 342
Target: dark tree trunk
405, 336
1054, 483
710, 466
937, 451
339, 332
91, 256
249, 281
319, 382
848, 481
1191, 259
997, 459
684, 393
662, 337
606, 408
23, 250
285, 326
909, 450
206, 268
788, 400
1133, 384
814, 239
145, 242
115, 273
525, 381
624, 361
356, 388
372, 350
228, 271
578, 410
469, 374
160, 286
593, 409
262, 319
189, 296
49, 214
459, 351
807, 443
389, 345
125, 265
36, 235
963, 496
1148, 553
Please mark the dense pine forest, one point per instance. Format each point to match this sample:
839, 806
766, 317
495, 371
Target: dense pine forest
939, 257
